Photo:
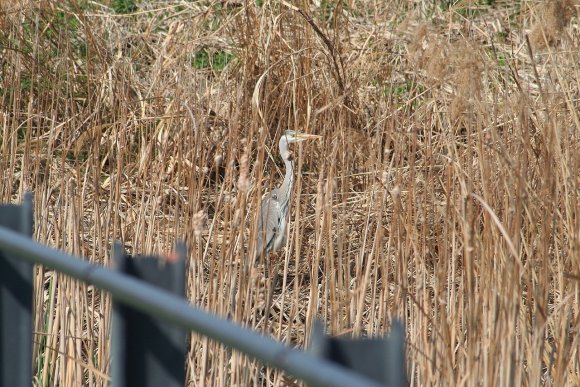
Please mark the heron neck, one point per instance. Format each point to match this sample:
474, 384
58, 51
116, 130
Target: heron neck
289, 176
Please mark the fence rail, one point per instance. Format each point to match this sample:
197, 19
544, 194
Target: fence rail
16, 301
146, 298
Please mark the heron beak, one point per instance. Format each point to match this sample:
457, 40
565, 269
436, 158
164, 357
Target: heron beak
306, 136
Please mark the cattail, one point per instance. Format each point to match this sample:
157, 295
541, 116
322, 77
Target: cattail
396, 192
319, 193
217, 160
244, 181
330, 187
199, 220
384, 178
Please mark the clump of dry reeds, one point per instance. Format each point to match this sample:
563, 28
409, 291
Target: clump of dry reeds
552, 19
445, 192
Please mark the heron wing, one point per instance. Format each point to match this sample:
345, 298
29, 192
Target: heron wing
268, 223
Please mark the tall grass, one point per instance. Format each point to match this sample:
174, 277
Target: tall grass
445, 192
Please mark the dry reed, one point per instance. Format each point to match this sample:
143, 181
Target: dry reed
445, 192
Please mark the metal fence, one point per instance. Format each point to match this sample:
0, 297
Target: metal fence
149, 302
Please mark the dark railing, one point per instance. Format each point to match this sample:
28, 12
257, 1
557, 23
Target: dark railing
149, 302
16, 300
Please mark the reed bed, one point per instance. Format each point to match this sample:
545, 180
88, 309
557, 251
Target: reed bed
445, 191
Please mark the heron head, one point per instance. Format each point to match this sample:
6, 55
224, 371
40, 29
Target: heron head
293, 136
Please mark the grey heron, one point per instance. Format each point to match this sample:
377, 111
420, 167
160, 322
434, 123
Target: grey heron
274, 209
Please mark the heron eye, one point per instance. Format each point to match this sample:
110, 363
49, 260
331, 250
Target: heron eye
274, 196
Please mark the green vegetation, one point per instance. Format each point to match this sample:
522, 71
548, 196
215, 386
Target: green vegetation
217, 60
124, 6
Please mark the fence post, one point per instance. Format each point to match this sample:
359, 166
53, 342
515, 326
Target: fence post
16, 301
380, 359
147, 352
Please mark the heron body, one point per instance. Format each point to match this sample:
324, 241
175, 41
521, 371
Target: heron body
273, 217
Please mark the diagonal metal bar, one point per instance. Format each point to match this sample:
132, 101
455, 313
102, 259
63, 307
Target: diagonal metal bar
164, 305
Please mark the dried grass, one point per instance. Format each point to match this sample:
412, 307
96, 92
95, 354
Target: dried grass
445, 191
